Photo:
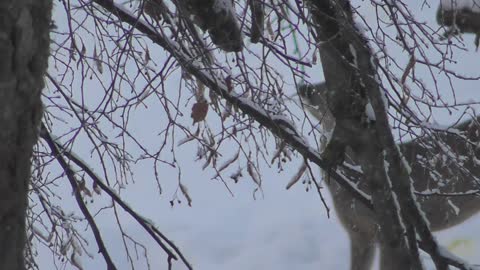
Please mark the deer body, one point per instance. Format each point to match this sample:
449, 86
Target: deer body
431, 173
359, 221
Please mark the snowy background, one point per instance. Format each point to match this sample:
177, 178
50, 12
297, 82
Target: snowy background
278, 230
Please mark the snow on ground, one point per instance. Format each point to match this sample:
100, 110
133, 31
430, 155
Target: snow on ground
284, 231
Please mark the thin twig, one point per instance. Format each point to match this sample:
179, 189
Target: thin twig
78, 197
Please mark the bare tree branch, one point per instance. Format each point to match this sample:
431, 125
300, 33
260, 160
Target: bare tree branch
150, 228
78, 197
219, 85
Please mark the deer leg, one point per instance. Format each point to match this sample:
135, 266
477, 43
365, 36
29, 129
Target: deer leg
362, 248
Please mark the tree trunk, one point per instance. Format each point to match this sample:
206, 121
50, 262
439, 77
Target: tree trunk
24, 50
347, 99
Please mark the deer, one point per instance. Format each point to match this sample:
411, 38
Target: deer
445, 173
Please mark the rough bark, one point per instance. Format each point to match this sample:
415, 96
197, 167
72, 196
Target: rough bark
24, 50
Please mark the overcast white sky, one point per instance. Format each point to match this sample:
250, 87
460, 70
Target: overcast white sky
281, 230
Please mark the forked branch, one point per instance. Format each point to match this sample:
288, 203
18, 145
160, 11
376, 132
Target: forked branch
59, 152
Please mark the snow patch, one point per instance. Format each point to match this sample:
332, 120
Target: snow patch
354, 54
455, 208
369, 112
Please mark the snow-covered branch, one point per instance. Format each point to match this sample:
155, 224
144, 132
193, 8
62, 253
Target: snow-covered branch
219, 85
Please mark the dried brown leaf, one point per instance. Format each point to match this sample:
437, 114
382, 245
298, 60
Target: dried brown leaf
96, 58
185, 193
253, 173
297, 176
199, 111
